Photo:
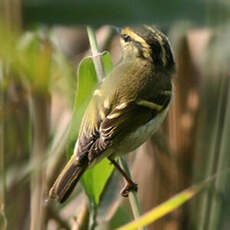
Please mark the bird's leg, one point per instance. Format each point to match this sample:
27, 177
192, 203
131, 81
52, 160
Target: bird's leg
130, 185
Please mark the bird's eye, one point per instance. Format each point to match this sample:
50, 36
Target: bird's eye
126, 38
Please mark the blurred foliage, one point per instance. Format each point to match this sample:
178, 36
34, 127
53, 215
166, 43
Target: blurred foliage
120, 12
196, 132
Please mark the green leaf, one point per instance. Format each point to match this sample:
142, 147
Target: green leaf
87, 82
95, 179
166, 207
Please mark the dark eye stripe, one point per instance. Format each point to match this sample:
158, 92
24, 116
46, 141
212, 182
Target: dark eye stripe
126, 37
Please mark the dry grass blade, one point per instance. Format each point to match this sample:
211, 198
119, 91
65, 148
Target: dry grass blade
39, 108
166, 207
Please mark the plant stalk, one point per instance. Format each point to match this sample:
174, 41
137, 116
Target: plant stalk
39, 110
133, 200
218, 205
206, 202
3, 219
98, 64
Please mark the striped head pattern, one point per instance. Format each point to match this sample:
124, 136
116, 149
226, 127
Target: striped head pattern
149, 43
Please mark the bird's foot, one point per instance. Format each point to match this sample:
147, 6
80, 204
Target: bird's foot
127, 188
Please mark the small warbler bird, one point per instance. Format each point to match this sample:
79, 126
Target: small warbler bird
126, 108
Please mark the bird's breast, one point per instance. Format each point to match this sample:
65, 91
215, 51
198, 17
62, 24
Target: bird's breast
141, 134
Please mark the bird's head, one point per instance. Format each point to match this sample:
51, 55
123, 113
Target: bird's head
149, 43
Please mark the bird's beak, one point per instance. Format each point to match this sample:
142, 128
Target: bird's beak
117, 28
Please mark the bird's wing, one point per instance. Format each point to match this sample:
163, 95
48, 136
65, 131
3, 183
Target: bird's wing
101, 127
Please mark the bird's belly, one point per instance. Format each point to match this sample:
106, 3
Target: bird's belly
139, 136
134, 139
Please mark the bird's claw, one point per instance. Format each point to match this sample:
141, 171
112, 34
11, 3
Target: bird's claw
127, 188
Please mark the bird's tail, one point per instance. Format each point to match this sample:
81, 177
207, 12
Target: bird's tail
67, 180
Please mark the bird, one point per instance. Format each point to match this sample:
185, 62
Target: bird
126, 108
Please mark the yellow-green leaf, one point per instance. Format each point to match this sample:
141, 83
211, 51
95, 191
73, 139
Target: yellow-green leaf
95, 179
